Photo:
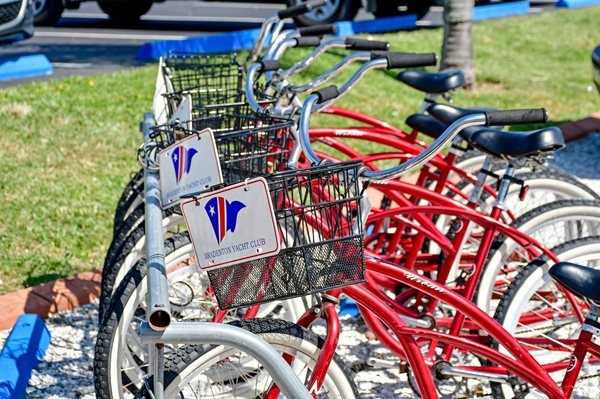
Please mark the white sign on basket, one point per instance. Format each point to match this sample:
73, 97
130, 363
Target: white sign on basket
183, 113
188, 167
233, 225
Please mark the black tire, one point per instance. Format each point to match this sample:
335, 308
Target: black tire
109, 324
122, 256
47, 12
125, 10
346, 10
130, 196
582, 216
386, 8
522, 289
181, 362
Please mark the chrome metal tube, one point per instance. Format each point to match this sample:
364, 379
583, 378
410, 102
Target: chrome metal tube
330, 74
262, 35
250, 76
303, 125
158, 312
429, 152
309, 59
374, 64
479, 375
235, 337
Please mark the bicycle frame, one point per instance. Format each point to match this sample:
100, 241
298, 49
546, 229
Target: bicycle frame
381, 318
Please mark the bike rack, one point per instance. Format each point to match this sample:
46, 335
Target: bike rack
159, 330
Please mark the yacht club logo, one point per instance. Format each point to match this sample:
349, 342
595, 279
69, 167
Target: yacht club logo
223, 215
182, 161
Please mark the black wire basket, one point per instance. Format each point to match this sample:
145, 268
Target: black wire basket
211, 80
188, 71
249, 144
318, 212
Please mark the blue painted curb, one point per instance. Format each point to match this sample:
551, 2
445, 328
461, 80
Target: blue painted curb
576, 3
481, 13
348, 307
23, 350
25, 67
234, 41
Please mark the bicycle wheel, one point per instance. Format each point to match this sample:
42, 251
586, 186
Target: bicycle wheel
129, 199
119, 261
536, 311
551, 224
223, 372
120, 363
120, 360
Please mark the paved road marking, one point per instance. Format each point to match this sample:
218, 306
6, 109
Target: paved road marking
182, 18
103, 35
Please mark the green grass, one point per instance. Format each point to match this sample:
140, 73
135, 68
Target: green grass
67, 147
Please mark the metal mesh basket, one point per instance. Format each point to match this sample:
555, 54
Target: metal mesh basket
248, 144
318, 212
210, 80
190, 71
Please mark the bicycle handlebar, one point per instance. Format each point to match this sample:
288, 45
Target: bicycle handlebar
353, 43
300, 9
318, 30
308, 41
515, 117
507, 117
406, 60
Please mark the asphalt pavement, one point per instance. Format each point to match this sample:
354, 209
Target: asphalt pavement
86, 41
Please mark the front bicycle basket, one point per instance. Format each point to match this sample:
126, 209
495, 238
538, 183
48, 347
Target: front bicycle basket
318, 212
249, 144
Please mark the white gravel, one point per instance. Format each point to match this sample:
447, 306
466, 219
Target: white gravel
66, 371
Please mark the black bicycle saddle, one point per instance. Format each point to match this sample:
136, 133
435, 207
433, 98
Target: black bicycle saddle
580, 280
433, 82
518, 144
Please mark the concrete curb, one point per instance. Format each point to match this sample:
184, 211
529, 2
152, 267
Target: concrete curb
25, 67
491, 11
576, 3
245, 39
49, 298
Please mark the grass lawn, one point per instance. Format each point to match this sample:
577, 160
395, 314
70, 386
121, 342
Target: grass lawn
67, 147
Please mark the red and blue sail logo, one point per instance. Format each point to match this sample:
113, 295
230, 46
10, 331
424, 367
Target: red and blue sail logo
223, 215
182, 161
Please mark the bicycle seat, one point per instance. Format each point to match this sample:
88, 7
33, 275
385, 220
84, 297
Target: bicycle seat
447, 113
581, 280
433, 128
518, 144
433, 82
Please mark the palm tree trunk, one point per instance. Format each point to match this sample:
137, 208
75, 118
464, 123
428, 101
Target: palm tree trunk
457, 50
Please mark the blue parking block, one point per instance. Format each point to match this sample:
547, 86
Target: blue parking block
24, 349
576, 3
245, 39
25, 67
348, 306
490, 11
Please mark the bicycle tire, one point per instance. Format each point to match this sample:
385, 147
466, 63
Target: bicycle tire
130, 196
293, 339
112, 327
523, 288
565, 212
129, 252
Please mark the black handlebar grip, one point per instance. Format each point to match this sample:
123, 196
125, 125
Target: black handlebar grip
406, 60
326, 94
516, 117
300, 9
318, 30
269, 66
366, 45
309, 41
